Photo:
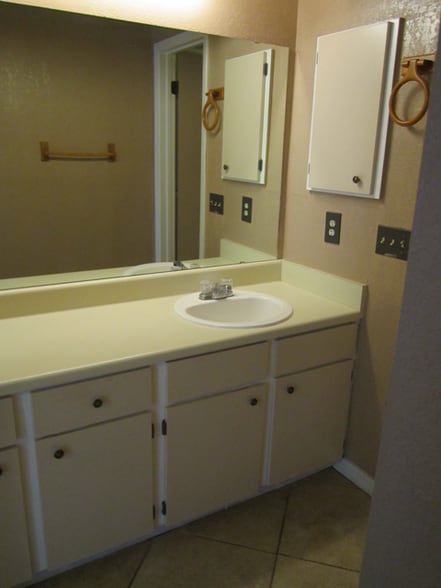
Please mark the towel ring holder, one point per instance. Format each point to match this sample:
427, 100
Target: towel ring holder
211, 104
411, 74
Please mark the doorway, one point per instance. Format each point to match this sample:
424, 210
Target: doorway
179, 147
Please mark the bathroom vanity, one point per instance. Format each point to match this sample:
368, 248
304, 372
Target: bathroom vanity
121, 420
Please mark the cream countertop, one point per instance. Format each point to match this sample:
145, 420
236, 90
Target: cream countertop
50, 348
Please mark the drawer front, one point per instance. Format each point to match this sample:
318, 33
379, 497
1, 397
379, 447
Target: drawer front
203, 375
75, 405
7, 423
301, 352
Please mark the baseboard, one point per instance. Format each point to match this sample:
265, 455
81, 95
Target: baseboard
356, 475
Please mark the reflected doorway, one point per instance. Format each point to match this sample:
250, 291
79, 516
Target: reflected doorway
179, 147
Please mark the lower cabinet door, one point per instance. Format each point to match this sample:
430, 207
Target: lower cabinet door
310, 420
215, 452
96, 488
15, 566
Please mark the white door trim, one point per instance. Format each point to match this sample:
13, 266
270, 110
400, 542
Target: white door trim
164, 142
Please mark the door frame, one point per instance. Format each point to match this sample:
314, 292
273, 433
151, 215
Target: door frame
164, 73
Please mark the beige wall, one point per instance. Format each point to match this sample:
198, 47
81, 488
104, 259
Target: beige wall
77, 83
262, 232
260, 20
355, 257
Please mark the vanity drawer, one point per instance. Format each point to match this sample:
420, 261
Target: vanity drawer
207, 374
304, 351
76, 405
7, 422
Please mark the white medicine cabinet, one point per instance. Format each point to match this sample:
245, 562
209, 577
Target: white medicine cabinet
246, 117
353, 80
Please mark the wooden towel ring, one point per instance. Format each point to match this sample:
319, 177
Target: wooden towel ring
213, 95
411, 74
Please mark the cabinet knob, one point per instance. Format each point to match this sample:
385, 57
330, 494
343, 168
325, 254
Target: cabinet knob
59, 454
290, 389
97, 402
226, 167
356, 179
253, 401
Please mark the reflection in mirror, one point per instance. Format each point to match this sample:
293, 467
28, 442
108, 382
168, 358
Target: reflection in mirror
80, 82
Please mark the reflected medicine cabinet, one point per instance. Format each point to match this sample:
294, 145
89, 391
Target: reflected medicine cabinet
350, 118
246, 117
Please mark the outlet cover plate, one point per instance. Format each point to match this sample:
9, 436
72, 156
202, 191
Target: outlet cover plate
333, 227
247, 209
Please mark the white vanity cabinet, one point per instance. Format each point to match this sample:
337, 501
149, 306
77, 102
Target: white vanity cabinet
15, 565
94, 455
312, 401
215, 430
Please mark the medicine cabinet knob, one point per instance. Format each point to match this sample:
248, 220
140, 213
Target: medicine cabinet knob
290, 389
59, 454
253, 401
356, 179
226, 167
97, 402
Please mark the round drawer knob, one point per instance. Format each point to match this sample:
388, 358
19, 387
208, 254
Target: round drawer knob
97, 402
253, 401
59, 454
356, 179
290, 389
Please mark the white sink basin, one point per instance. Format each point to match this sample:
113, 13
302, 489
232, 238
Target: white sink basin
244, 309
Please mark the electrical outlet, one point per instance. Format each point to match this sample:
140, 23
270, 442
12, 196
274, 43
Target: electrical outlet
247, 209
333, 227
392, 242
216, 202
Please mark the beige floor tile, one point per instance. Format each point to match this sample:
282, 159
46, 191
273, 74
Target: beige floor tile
327, 523
181, 560
294, 573
113, 571
256, 523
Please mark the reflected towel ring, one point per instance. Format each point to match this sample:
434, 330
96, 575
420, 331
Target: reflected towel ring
213, 95
411, 74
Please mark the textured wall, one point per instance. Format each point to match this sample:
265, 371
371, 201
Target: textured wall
354, 258
78, 83
404, 539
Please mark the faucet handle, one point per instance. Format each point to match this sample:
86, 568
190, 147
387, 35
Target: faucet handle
227, 285
206, 287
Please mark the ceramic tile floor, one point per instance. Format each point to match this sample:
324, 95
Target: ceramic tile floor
307, 535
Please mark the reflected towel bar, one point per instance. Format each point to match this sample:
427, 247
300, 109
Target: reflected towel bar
46, 155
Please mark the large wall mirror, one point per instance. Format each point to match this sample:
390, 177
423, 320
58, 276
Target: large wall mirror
80, 82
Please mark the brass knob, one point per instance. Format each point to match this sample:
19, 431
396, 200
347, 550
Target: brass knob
226, 167
253, 401
356, 179
290, 389
97, 402
59, 454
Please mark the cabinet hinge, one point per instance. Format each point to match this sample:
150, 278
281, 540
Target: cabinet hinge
164, 427
174, 87
153, 430
265, 69
260, 165
163, 507
154, 512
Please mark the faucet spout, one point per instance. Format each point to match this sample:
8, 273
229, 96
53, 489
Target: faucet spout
217, 290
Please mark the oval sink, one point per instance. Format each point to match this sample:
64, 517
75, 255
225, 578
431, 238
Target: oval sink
242, 310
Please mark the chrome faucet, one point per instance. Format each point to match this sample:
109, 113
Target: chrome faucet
216, 290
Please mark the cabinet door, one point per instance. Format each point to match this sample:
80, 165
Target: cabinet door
15, 566
96, 488
215, 452
310, 419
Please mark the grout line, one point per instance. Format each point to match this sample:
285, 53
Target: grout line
141, 563
282, 527
231, 543
320, 563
